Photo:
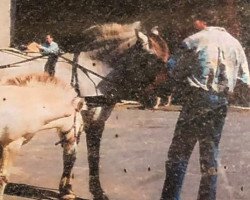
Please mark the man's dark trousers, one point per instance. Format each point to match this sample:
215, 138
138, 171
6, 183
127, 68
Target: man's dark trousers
51, 64
201, 119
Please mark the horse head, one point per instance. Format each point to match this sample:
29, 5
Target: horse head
135, 57
157, 52
153, 43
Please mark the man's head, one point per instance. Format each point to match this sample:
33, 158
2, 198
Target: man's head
48, 39
205, 18
200, 24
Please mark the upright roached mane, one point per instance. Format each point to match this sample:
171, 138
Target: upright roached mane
114, 31
114, 38
43, 79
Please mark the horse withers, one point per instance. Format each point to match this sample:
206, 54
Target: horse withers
30, 104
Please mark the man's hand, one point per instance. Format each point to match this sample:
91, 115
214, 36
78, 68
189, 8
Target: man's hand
39, 46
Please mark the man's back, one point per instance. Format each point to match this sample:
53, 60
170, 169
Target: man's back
219, 54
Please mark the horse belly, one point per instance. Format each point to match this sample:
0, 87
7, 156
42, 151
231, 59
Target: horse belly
17, 120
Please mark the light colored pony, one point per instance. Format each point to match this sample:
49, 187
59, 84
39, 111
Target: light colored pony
128, 61
30, 104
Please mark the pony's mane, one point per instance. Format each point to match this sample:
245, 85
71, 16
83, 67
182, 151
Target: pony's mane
113, 38
117, 31
31, 79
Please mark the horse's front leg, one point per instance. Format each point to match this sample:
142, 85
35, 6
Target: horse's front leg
94, 125
69, 158
93, 137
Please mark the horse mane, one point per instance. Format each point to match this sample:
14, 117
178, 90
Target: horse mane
159, 46
116, 31
112, 39
31, 79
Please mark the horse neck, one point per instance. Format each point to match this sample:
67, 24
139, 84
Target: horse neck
66, 93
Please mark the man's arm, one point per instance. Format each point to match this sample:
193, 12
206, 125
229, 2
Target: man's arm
52, 49
192, 41
244, 76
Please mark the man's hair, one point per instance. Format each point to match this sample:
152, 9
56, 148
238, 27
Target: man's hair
211, 17
49, 35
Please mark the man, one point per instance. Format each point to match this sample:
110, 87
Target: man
51, 49
220, 62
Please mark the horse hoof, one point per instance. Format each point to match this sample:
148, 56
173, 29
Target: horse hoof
66, 192
101, 197
68, 197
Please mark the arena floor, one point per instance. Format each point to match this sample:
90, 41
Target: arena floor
135, 141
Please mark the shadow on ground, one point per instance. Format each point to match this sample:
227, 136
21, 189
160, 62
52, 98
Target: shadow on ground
32, 192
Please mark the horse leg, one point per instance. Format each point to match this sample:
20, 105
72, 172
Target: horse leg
169, 101
93, 137
3, 169
158, 101
69, 158
69, 143
94, 125
7, 155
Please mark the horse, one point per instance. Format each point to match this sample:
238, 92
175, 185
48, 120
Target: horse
115, 62
26, 110
161, 88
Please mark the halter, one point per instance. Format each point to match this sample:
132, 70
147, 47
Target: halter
76, 134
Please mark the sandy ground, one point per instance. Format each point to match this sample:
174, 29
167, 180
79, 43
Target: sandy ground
141, 148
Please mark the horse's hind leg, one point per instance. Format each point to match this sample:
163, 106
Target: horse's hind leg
7, 155
69, 158
158, 102
94, 125
3, 173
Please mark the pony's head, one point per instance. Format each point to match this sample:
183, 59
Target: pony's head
131, 56
111, 42
134, 55
153, 43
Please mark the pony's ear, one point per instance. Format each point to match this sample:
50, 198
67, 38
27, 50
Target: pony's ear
155, 30
141, 36
137, 25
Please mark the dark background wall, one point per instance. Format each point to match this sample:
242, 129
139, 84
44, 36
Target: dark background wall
67, 19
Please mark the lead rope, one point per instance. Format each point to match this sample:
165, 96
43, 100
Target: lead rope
74, 126
20, 62
77, 134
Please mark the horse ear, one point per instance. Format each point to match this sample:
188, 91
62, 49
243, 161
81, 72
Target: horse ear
141, 36
155, 30
137, 25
